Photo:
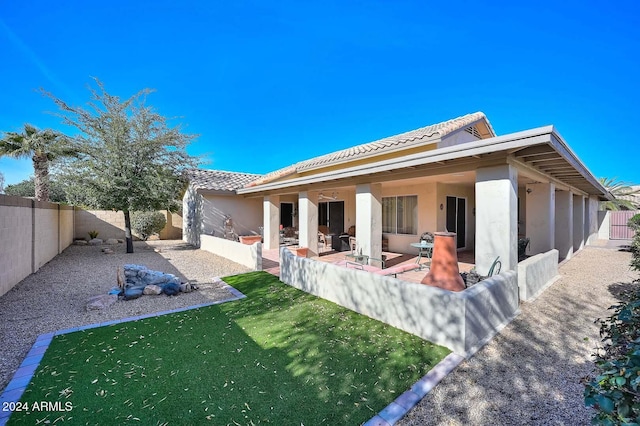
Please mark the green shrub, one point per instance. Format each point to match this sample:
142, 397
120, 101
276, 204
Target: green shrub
93, 234
145, 224
613, 392
634, 223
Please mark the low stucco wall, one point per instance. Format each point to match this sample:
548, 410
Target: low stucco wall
246, 255
537, 273
461, 321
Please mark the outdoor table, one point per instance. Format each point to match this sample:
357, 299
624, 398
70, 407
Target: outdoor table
360, 258
424, 248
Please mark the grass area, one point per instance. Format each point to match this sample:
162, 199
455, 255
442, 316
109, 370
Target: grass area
280, 356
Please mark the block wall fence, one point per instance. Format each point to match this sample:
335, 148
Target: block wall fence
31, 234
34, 232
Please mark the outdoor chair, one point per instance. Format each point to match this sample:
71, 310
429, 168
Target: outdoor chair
352, 244
323, 236
426, 252
523, 243
495, 267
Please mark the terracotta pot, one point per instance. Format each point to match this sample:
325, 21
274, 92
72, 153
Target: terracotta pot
299, 251
444, 272
250, 239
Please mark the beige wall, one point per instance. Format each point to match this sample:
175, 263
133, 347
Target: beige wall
46, 233
67, 221
204, 213
460, 191
110, 224
427, 217
173, 229
16, 234
430, 217
31, 234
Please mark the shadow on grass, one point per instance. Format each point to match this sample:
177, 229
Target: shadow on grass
279, 356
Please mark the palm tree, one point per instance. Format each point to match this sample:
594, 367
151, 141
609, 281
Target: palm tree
42, 146
625, 195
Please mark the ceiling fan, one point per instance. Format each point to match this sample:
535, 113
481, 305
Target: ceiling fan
333, 196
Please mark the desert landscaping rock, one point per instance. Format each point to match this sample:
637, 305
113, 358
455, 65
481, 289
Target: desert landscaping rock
80, 242
111, 241
55, 297
152, 289
95, 242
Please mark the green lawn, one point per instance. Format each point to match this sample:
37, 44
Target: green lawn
280, 356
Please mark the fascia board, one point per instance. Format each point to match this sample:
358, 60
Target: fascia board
563, 149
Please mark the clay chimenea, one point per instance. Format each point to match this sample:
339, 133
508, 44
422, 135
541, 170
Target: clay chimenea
444, 272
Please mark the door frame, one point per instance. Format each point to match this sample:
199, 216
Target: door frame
466, 222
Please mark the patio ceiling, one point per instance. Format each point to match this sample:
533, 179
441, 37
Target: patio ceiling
541, 155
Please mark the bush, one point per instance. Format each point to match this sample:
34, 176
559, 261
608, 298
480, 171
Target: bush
634, 223
614, 390
145, 224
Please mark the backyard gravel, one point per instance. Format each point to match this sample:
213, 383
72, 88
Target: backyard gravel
530, 374
54, 298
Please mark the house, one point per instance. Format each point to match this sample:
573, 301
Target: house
457, 175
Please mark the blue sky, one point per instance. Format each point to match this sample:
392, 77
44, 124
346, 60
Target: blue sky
266, 84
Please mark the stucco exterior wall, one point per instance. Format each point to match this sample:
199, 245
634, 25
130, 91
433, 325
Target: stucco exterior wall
591, 219
457, 138
427, 215
461, 321
205, 214
522, 209
604, 224
459, 191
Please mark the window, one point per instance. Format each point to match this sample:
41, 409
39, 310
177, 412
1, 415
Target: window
400, 215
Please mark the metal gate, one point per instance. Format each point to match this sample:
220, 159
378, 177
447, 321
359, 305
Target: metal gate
618, 229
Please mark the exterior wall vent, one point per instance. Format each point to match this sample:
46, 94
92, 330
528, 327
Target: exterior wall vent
473, 131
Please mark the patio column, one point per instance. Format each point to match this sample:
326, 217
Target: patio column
308, 216
564, 224
369, 219
541, 211
496, 217
578, 222
271, 222
591, 205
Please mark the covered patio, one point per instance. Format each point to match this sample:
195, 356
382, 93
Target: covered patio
456, 176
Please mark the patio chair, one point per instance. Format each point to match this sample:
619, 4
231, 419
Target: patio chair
426, 251
323, 236
352, 244
495, 267
523, 243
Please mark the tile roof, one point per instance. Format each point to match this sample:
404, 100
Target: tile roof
382, 146
218, 180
